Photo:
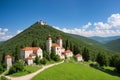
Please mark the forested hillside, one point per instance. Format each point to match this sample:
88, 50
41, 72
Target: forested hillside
114, 45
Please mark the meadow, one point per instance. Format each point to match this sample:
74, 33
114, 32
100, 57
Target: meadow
74, 71
27, 70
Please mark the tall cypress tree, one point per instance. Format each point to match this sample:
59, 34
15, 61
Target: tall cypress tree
17, 53
52, 55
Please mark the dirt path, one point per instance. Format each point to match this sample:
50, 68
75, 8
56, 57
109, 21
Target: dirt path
30, 76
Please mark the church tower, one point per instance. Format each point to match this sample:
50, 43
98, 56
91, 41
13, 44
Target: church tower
49, 44
59, 41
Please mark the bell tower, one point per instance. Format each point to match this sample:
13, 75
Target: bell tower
59, 41
49, 44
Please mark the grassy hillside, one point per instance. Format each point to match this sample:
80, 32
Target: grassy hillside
114, 45
71, 71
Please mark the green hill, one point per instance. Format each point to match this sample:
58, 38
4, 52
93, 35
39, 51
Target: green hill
114, 45
89, 41
38, 34
72, 71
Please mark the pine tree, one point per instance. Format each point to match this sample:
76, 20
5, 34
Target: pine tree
52, 55
102, 59
17, 53
35, 43
46, 55
86, 54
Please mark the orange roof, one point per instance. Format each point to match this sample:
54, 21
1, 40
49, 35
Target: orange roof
68, 51
55, 45
30, 48
78, 55
32, 54
7, 56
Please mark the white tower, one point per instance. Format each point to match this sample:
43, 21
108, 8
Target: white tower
49, 44
59, 41
8, 61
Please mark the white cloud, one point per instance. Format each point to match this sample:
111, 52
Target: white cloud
87, 25
19, 31
101, 25
110, 28
6, 37
3, 34
3, 31
114, 20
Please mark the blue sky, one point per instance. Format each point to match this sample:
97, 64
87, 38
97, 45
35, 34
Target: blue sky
82, 17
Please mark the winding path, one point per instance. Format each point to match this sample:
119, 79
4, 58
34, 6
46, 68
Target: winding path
30, 76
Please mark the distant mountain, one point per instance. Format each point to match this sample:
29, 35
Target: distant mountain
104, 39
113, 45
1, 42
88, 41
38, 34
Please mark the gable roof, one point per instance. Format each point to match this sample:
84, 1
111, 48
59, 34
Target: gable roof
7, 56
55, 45
31, 48
68, 51
78, 55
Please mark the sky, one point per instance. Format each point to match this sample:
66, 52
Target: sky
82, 17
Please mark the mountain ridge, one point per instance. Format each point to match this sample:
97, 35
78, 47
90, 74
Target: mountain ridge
104, 40
113, 45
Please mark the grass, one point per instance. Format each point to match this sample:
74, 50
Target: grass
72, 71
28, 70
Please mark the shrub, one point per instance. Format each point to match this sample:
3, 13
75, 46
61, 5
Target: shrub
43, 61
3, 78
17, 67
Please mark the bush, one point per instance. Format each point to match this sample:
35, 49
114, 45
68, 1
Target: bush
43, 61
3, 78
56, 58
95, 65
17, 67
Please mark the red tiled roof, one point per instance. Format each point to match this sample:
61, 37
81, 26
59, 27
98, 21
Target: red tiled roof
7, 56
68, 51
78, 55
32, 54
55, 45
30, 48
